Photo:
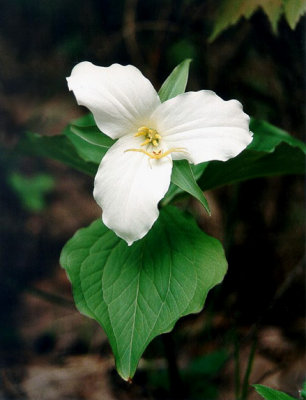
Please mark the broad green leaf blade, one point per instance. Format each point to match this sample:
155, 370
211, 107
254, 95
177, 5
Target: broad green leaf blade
81, 145
182, 176
176, 82
267, 137
285, 160
272, 394
272, 152
86, 150
294, 10
89, 142
92, 135
56, 147
139, 292
85, 121
86, 128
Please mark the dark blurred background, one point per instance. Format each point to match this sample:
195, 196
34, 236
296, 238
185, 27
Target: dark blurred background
48, 351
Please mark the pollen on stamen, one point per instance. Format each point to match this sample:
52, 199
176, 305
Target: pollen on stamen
150, 134
147, 141
142, 131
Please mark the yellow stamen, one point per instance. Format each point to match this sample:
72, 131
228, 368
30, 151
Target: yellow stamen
147, 141
150, 134
142, 131
143, 128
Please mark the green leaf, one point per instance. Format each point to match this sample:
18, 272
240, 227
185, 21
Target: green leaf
174, 190
87, 151
86, 128
81, 145
182, 176
31, 190
139, 292
92, 135
181, 49
90, 143
272, 394
231, 11
272, 152
294, 10
267, 137
56, 147
303, 391
176, 82
86, 120
208, 364
273, 10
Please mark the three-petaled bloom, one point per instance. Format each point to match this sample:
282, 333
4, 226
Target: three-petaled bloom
134, 175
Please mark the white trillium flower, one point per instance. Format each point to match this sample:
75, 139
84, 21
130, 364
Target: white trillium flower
134, 175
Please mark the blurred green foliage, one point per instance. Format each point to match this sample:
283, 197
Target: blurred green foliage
303, 391
231, 11
199, 376
31, 191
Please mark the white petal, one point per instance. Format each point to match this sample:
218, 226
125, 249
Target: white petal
128, 187
208, 127
120, 97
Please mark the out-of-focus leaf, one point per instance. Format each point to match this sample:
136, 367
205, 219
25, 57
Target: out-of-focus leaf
56, 147
303, 391
294, 10
31, 190
273, 10
209, 364
176, 82
231, 11
272, 394
180, 50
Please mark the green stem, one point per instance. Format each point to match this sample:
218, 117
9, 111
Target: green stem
237, 367
245, 384
176, 384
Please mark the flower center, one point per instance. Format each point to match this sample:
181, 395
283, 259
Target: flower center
151, 136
